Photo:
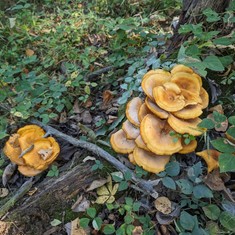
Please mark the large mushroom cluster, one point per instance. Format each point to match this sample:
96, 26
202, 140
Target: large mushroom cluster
30, 150
174, 101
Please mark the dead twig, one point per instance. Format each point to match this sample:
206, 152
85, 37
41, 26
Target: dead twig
143, 184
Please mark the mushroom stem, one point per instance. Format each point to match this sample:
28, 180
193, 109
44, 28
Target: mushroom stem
143, 184
26, 151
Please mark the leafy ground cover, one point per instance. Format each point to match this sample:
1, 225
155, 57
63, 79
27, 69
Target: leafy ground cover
75, 64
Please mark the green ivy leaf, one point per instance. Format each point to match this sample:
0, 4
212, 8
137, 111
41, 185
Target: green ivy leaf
231, 120
222, 145
226, 162
202, 191
123, 185
212, 62
128, 219
227, 220
109, 229
185, 186
187, 221
173, 168
169, 183
96, 223
83, 222
212, 211
91, 212
218, 117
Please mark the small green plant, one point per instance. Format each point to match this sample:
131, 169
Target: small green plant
53, 172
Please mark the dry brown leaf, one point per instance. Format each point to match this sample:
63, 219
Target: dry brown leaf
29, 52
163, 204
8, 172
111, 119
4, 227
88, 103
73, 228
63, 117
164, 230
81, 205
214, 181
107, 96
32, 191
137, 230
45, 153
4, 192
96, 184
86, 117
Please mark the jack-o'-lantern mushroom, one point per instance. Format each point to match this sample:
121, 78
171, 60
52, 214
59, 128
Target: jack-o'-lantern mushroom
188, 148
187, 82
44, 152
169, 97
132, 110
189, 112
204, 97
140, 143
152, 79
211, 157
189, 126
143, 111
156, 135
30, 151
131, 131
150, 161
120, 143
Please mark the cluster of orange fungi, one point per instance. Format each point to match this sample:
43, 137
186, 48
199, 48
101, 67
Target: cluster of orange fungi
174, 101
30, 150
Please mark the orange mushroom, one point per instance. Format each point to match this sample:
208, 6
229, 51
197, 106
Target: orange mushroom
169, 97
132, 110
154, 108
131, 158
28, 171
204, 97
143, 111
181, 68
120, 143
189, 112
211, 158
185, 126
186, 81
140, 143
131, 131
188, 148
152, 79
156, 135
150, 161
190, 98
44, 152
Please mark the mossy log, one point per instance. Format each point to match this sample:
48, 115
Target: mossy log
52, 200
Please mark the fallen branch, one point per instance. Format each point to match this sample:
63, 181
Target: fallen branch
19, 194
143, 184
98, 72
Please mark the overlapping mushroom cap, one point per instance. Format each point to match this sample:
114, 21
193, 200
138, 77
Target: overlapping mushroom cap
30, 150
174, 101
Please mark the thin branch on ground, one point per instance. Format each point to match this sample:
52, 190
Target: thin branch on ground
143, 184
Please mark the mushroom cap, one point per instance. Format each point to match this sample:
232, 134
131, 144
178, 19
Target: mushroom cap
188, 148
156, 135
181, 68
131, 158
152, 79
186, 81
155, 109
185, 126
12, 149
150, 161
30, 127
168, 97
120, 143
190, 98
28, 171
198, 78
44, 152
29, 136
132, 110
211, 157
140, 143
143, 111
189, 112
131, 131
204, 97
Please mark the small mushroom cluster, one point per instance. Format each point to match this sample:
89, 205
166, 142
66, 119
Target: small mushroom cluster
174, 101
30, 150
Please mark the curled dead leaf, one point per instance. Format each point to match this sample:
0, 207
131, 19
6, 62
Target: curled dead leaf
3, 192
81, 205
8, 172
163, 204
96, 184
29, 52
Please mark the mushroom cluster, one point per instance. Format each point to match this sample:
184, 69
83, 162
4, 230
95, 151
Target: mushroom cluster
174, 101
30, 150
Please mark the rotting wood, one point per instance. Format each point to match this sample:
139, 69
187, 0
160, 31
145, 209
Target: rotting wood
147, 186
